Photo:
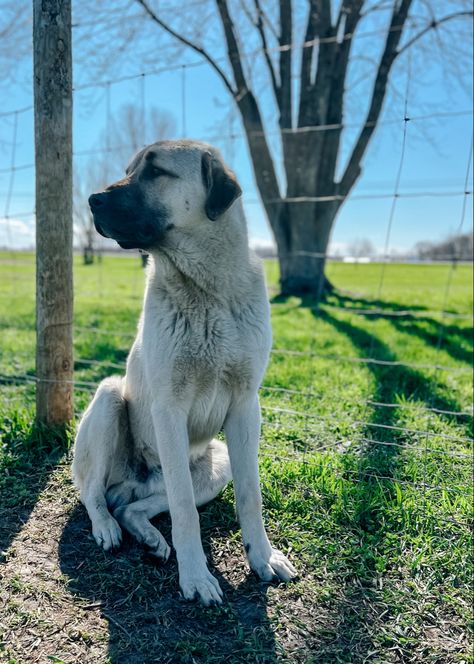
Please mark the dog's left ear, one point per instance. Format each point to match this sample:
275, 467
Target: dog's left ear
221, 186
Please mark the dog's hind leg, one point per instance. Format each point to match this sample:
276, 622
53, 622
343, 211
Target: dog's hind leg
100, 442
135, 518
210, 473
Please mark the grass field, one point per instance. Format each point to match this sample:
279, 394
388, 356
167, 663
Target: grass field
366, 472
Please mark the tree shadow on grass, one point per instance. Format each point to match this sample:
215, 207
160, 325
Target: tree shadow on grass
448, 334
393, 383
370, 476
148, 621
454, 339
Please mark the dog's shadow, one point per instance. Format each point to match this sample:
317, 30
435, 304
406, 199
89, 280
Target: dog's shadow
148, 620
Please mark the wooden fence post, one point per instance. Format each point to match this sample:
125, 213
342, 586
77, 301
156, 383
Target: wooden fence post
54, 231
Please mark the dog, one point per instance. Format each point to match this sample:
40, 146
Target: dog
146, 444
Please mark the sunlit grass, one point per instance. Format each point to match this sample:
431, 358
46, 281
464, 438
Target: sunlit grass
373, 501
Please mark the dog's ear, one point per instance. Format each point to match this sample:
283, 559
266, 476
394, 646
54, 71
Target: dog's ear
221, 186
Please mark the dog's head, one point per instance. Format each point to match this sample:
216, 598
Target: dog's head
170, 186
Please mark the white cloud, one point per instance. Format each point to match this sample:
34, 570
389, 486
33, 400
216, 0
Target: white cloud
259, 241
16, 233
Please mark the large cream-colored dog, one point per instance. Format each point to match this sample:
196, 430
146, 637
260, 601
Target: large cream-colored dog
146, 443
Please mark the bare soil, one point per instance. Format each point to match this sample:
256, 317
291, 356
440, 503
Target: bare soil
64, 600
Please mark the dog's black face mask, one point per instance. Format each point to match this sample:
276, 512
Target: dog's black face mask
121, 213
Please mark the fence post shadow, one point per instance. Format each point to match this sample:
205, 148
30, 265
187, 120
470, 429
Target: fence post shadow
141, 603
34, 455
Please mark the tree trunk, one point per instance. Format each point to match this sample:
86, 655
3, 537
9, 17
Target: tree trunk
88, 254
88, 250
311, 149
302, 249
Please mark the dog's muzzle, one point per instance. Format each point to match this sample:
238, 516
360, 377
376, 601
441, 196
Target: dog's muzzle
96, 203
120, 214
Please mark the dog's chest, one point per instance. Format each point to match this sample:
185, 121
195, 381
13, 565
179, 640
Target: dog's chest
211, 347
207, 346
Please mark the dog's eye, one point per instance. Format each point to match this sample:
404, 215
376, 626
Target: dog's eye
157, 171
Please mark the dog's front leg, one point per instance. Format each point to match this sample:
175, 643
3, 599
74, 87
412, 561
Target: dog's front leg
173, 447
242, 430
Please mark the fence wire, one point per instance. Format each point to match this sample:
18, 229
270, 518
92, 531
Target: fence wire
295, 428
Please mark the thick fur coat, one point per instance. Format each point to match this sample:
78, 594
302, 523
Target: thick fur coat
146, 443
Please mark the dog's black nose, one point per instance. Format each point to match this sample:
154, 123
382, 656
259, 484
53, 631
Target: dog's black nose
95, 201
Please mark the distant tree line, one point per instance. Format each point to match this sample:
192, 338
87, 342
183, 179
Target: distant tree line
457, 247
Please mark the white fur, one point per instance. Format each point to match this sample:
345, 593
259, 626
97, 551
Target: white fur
195, 367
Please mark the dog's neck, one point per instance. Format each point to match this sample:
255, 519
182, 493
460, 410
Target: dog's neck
211, 267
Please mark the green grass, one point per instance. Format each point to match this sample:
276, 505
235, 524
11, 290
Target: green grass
373, 502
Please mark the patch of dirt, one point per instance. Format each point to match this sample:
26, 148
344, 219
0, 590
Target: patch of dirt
63, 599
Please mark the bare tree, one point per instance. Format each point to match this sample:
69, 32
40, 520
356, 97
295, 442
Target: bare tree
15, 22
302, 210
361, 248
130, 129
82, 218
453, 248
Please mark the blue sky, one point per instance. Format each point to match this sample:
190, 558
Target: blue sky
436, 154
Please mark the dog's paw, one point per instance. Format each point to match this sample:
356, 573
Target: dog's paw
203, 587
107, 534
157, 546
137, 525
274, 565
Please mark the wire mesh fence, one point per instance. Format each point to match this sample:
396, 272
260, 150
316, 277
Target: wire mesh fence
350, 387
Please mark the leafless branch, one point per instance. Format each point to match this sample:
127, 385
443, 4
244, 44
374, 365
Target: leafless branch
232, 49
261, 29
259, 150
307, 54
347, 21
188, 43
286, 36
323, 9
353, 168
247, 12
269, 25
377, 7
435, 23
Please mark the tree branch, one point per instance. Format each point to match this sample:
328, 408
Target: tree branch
286, 37
307, 54
233, 50
190, 44
323, 9
313, 101
260, 154
347, 22
379, 6
435, 23
269, 24
353, 168
261, 29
